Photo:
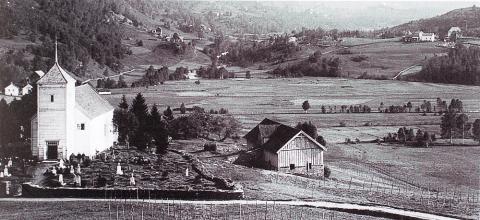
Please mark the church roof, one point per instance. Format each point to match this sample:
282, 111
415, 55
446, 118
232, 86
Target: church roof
90, 102
56, 75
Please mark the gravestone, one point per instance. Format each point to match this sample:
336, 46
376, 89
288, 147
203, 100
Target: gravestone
132, 180
78, 180
1, 175
54, 171
5, 172
78, 169
62, 165
10, 163
119, 169
60, 179
72, 169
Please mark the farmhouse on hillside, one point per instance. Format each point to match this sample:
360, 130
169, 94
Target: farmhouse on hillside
69, 119
12, 90
286, 149
419, 37
17, 89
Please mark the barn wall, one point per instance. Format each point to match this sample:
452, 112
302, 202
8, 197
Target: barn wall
300, 152
271, 160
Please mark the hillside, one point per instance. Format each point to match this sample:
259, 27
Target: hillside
468, 19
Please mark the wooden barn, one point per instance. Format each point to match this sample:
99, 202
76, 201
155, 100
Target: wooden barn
286, 149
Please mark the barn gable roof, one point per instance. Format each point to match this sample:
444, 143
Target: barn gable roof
90, 102
278, 135
282, 135
260, 128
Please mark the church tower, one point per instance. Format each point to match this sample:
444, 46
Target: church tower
55, 114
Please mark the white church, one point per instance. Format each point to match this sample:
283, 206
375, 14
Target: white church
69, 119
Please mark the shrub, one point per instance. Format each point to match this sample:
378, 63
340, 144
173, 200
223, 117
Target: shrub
210, 147
358, 58
344, 51
327, 172
87, 162
223, 111
101, 181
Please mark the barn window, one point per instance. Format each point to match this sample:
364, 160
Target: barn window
52, 98
292, 166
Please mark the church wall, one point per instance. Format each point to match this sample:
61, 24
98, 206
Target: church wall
34, 130
70, 118
82, 137
51, 118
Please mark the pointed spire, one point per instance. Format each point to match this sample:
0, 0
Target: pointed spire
56, 50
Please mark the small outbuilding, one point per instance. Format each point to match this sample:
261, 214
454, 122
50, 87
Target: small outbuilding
286, 149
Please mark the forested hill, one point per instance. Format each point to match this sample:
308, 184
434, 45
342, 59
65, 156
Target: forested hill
464, 17
460, 66
85, 29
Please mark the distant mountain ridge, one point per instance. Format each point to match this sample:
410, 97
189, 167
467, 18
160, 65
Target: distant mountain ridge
468, 19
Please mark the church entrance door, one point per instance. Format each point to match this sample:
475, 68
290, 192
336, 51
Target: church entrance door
52, 150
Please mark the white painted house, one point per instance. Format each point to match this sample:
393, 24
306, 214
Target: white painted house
27, 89
286, 149
69, 119
426, 37
12, 90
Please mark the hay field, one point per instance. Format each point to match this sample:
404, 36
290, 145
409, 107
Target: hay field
252, 100
387, 58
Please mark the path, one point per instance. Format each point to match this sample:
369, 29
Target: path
112, 76
405, 71
346, 207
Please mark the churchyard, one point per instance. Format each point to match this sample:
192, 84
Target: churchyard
122, 168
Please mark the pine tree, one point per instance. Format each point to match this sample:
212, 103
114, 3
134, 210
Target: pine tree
139, 109
306, 106
158, 130
476, 130
182, 108
168, 113
123, 103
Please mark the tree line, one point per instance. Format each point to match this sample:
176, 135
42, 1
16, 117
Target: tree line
441, 106
143, 127
315, 65
243, 53
15, 124
460, 66
408, 136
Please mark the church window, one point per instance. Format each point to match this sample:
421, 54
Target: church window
52, 98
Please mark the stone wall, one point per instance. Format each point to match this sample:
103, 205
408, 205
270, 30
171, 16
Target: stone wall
34, 191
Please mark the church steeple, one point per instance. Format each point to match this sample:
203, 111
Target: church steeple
56, 51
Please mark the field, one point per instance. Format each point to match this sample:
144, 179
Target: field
386, 59
390, 175
156, 209
252, 100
